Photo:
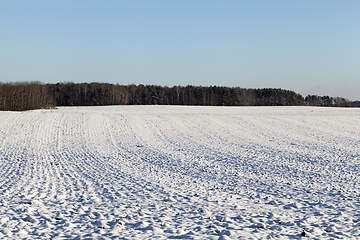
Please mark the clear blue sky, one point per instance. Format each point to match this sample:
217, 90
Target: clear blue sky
309, 46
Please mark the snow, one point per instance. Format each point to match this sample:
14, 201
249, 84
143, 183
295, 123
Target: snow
171, 172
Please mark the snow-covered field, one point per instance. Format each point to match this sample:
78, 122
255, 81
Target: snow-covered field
172, 172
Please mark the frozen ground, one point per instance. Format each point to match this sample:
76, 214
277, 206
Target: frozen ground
163, 172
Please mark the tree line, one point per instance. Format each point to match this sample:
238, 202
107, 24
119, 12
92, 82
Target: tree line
34, 95
326, 101
99, 94
25, 96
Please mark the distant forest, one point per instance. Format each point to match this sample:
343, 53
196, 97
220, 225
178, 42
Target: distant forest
35, 95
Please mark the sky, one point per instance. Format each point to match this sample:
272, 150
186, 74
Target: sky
310, 47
